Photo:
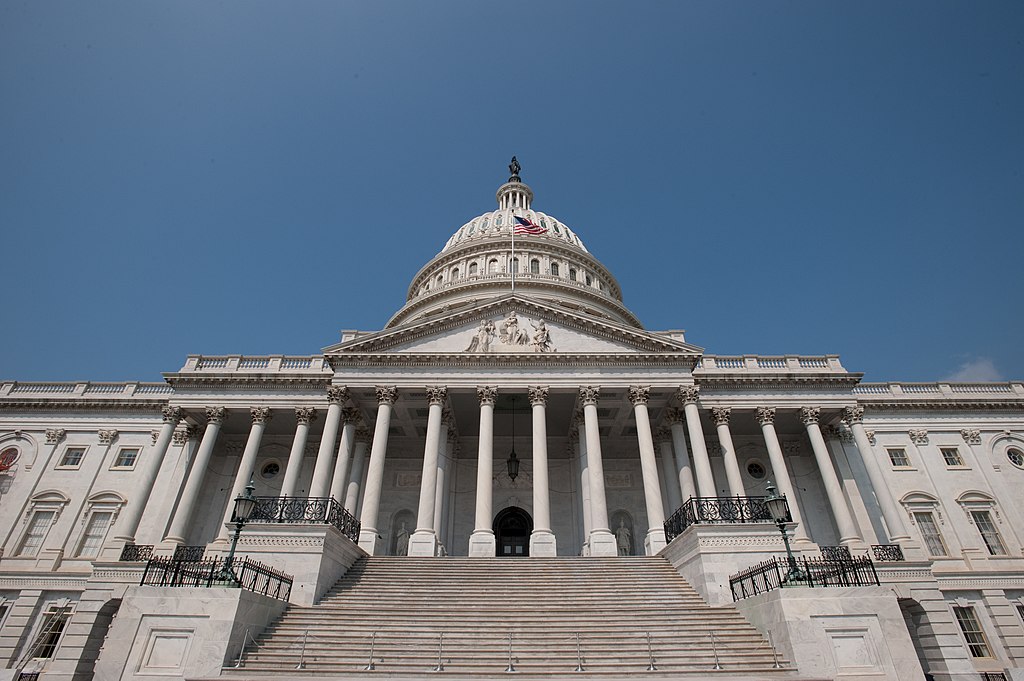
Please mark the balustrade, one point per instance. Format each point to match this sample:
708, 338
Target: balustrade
696, 510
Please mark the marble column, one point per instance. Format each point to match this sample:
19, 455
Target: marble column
836, 499
350, 420
684, 467
579, 440
894, 523
668, 469
766, 417
423, 541
655, 539
441, 487
369, 539
602, 541
260, 417
128, 523
542, 540
194, 485
732, 467
701, 461
303, 417
358, 470
336, 398
481, 542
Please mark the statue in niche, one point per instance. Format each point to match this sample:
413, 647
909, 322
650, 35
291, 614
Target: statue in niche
402, 541
624, 539
511, 334
484, 336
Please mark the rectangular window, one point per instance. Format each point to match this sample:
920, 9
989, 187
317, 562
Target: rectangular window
127, 457
983, 519
898, 457
72, 457
969, 625
951, 455
930, 533
95, 532
54, 621
36, 532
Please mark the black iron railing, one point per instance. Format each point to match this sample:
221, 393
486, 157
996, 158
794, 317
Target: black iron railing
189, 552
305, 510
771, 574
836, 553
697, 510
242, 572
136, 553
887, 553
993, 676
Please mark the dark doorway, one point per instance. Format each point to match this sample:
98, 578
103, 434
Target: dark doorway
512, 528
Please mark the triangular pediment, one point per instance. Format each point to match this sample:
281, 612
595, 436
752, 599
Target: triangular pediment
516, 325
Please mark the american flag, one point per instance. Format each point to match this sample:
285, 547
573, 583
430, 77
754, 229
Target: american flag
524, 226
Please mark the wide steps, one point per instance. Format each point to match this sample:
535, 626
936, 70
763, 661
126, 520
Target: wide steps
613, 616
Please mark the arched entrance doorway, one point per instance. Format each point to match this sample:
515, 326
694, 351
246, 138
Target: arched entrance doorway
512, 528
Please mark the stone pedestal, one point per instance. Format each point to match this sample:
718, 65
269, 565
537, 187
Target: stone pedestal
542, 544
369, 541
602, 543
481, 545
654, 542
423, 544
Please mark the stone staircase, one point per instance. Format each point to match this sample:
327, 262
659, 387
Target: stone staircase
409, 608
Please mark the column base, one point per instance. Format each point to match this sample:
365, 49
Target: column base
602, 543
423, 543
654, 541
369, 541
481, 544
542, 544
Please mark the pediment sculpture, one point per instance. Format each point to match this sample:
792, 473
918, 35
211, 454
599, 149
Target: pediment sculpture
509, 335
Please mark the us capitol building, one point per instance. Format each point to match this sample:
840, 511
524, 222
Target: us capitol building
512, 434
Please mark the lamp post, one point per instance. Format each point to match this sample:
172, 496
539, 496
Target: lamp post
245, 504
778, 508
512, 463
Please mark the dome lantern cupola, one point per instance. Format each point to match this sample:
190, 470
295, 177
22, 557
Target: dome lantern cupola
514, 194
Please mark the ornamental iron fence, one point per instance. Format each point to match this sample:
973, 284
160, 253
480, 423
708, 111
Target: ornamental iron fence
136, 553
771, 574
887, 553
313, 510
836, 553
189, 552
218, 572
696, 510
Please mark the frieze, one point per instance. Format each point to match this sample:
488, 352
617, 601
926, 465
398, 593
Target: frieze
54, 435
408, 479
618, 480
918, 436
106, 436
972, 436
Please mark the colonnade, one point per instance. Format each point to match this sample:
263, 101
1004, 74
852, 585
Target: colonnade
685, 467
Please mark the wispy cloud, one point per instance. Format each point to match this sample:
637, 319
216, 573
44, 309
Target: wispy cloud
980, 369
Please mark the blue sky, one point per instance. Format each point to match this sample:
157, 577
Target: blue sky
252, 177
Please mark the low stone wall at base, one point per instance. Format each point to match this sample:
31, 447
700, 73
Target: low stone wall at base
178, 633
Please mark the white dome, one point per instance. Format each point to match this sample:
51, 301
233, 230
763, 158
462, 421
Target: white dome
499, 223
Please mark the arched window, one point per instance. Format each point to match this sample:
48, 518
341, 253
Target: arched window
473, 269
572, 274
590, 282
455, 273
535, 266
515, 265
554, 269
440, 279
492, 266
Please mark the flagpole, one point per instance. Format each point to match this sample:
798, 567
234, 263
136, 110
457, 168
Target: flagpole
512, 264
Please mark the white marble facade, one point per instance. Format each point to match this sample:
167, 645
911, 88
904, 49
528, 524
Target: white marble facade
618, 424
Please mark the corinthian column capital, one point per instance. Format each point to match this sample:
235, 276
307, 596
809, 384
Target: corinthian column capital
216, 414
171, 414
721, 415
765, 415
538, 395
853, 414
673, 416
487, 394
437, 394
809, 415
337, 394
688, 395
387, 394
305, 414
639, 394
260, 414
589, 394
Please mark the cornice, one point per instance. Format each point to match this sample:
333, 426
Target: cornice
84, 404
28, 580
1009, 404
774, 381
683, 361
247, 383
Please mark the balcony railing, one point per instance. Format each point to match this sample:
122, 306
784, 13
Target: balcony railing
244, 573
136, 553
696, 510
887, 553
771, 574
312, 510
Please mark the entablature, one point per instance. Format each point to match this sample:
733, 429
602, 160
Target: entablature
933, 396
